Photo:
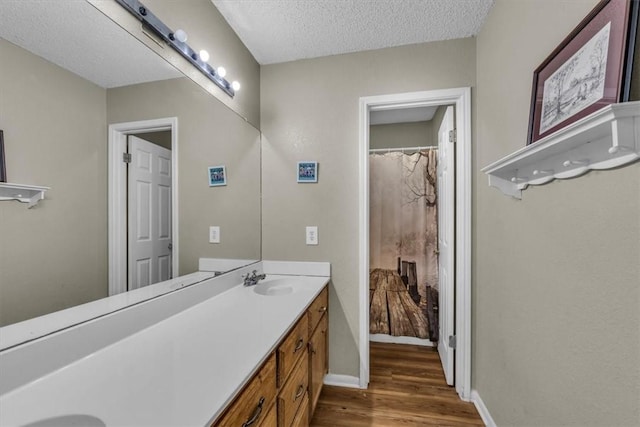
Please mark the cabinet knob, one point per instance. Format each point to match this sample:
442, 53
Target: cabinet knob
322, 309
300, 392
299, 345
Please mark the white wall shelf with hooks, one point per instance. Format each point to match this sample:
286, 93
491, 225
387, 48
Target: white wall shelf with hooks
605, 139
30, 194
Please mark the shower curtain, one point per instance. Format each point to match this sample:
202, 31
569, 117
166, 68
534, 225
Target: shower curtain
403, 239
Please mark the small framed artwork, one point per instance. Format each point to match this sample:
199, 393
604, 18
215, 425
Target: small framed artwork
589, 70
3, 166
217, 176
307, 171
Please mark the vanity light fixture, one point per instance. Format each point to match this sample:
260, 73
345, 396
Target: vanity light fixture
179, 35
177, 40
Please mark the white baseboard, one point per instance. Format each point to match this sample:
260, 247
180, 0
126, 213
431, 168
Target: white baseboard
400, 340
482, 409
342, 380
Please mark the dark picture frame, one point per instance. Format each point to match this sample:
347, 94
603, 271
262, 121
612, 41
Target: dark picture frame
3, 166
589, 70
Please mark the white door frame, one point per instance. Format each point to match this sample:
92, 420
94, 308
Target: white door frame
118, 196
461, 98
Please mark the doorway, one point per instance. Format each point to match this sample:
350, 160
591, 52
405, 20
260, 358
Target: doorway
459, 338
126, 270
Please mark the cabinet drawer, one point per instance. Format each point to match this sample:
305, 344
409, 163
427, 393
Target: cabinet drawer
255, 400
291, 348
302, 417
318, 307
271, 419
293, 392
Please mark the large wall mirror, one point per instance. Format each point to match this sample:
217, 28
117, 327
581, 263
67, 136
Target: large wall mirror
69, 74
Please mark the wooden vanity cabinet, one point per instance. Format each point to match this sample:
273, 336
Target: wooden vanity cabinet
318, 346
286, 389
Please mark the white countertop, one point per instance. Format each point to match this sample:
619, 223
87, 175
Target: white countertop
181, 371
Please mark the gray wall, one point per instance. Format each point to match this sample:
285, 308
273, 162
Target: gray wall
52, 256
399, 135
209, 134
556, 275
310, 112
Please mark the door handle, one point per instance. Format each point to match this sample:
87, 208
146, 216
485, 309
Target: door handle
170, 246
436, 252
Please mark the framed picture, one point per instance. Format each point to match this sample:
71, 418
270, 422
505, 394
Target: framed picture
3, 166
307, 171
217, 176
589, 70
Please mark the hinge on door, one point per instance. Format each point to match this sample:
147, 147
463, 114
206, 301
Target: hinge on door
452, 341
126, 157
453, 136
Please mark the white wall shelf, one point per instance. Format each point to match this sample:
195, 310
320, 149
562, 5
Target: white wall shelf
605, 139
30, 194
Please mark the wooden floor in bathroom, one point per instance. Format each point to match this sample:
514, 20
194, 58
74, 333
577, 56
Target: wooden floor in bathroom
407, 388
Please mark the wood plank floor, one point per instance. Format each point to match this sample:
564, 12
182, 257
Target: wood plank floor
407, 389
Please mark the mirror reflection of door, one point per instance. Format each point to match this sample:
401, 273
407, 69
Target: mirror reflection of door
149, 213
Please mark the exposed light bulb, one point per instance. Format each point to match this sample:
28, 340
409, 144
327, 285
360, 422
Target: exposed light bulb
204, 55
235, 86
180, 35
222, 72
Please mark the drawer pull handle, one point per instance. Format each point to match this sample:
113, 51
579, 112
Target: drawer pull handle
322, 309
313, 350
299, 393
256, 414
299, 345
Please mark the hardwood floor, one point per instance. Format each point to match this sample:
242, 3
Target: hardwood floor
407, 388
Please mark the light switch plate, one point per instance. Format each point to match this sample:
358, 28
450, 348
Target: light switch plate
214, 234
312, 235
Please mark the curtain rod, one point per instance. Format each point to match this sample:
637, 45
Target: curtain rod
389, 150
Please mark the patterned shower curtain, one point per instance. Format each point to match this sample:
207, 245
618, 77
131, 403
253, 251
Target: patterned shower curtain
403, 238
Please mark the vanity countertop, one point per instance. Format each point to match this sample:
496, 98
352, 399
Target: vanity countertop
181, 371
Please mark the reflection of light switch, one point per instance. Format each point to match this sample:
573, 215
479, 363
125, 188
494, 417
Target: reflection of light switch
214, 234
312, 235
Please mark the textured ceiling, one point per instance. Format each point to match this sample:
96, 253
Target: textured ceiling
76, 36
286, 30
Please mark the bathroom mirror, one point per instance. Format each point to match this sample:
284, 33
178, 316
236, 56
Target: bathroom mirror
69, 76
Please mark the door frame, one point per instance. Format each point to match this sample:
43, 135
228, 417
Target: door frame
117, 196
461, 98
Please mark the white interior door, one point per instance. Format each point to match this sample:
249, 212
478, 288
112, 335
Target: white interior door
446, 200
149, 213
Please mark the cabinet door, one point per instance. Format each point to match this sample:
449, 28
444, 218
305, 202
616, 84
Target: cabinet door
302, 417
292, 393
317, 363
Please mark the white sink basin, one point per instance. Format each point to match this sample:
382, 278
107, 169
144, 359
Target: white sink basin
276, 287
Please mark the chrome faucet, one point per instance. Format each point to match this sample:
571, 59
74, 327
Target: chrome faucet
253, 278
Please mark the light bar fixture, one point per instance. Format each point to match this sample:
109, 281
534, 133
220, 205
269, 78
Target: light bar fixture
177, 41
